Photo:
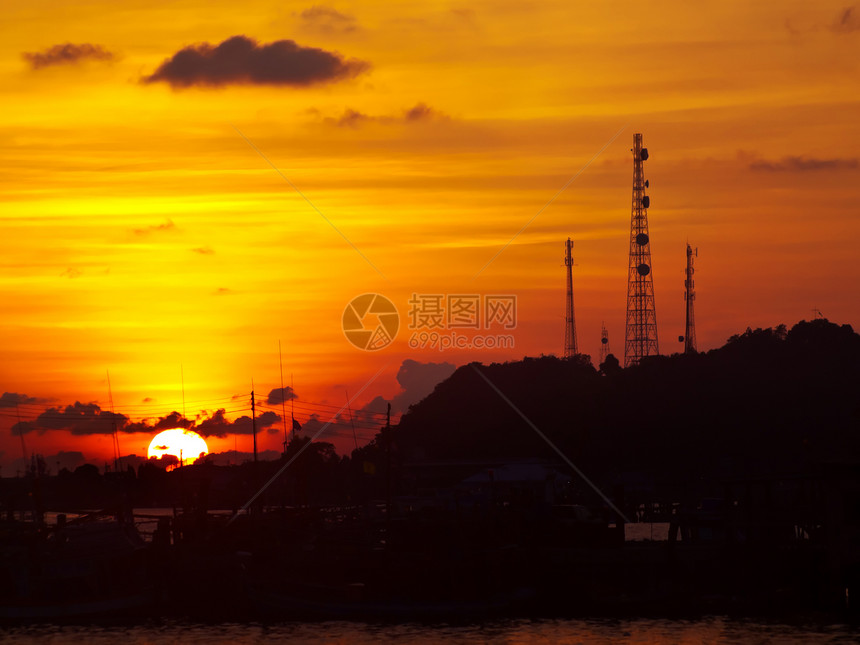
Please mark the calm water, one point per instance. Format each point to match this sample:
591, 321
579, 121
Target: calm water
706, 630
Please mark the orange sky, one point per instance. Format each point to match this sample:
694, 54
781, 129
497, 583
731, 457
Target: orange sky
142, 234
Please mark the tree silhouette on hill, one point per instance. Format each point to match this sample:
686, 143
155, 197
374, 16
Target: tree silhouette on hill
768, 401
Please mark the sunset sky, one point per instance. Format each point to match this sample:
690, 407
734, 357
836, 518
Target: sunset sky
181, 189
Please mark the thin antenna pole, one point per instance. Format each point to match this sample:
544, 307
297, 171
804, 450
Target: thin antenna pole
351, 420
182, 376
292, 404
21, 434
283, 400
298, 454
253, 421
116, 461
388, 476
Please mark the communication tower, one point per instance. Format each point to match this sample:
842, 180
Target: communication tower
690, 297
604, 343
641, 334
570, 348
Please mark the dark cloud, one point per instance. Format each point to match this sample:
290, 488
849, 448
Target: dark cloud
173, 420
165, 460
67, 54
803, 164
243, 61
89, 418
168, 422
279, 395
847, 21
80, 419
23, 427
378, 406
350, 119
418, 380
156, 228
339, 429
327, 20
69, 460
11, 399
419, 112
218, 425
204, 250
313, 425
132, 460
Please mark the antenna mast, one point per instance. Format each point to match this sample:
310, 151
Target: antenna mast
641, 333
292, 406
351, 419
21, 434
253, 422
604, 343
283, 398
116, 453
690, 297
570, 348
182, 378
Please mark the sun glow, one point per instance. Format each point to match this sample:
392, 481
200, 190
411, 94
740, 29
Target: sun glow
185, 445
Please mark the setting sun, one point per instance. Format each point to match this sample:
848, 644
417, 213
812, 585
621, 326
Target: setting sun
185, 445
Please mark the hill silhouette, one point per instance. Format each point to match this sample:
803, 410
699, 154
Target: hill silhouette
770, 401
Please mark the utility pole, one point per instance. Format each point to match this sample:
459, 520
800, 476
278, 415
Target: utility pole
254, 424
570, 348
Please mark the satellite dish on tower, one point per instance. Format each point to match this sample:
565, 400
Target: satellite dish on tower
643, 269
642, 239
